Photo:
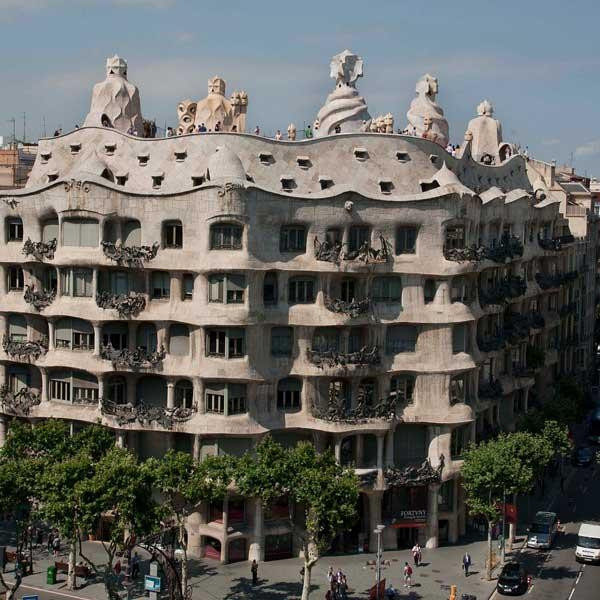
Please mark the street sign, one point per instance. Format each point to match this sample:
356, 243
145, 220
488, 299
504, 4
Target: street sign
30, 597
151, 584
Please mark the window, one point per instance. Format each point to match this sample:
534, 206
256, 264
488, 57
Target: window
401, 338
455, 237
76, 282
80, 232
446, 496
361, 154
406, 240
459, 439
459, 389
326, 340
60, 390
15, 278
402, 389
289, 392
146, 337
50, 230
402, 156
301, 290
288, 184
226, 236
386, 186
184, 394
387, 289
270, 288
226, 288
49, 279
179, 340
121, 179
462, 290
333, 236
325, 183
161, 285
292, 238
356, 339
339, 393
117, 390
367, 392
188, 286
460, 338
116, 335
282, 340
225, 398
358, 237
429, 290
14, 230
173, 234
17, 328
73, 386
225, 343
348, 290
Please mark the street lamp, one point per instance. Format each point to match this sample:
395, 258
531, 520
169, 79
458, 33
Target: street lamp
378, 531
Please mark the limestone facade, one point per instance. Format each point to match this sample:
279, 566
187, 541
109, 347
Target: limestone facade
367, 292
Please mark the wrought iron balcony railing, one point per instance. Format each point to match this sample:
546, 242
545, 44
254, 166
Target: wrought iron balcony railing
146, 414
368, 355
18, 403
39, 300
503, 290
127, 305
40, 250
25, 349
555, 243
140, 358
353, 309
335, 252
337, 411
130, 256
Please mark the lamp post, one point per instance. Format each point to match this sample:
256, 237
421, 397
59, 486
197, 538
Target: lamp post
378, 531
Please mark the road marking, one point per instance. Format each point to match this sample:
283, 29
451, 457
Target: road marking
48, 591
576, 582
531, 588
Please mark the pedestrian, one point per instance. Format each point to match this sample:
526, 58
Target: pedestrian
339, 578
39, 540
278, 135
329, 595
331, 578
257, 130
218, 126
308, 132
416, 552
407, 575
466, 561
254, 571
50, 540
117, 567
170, 132
135, 565
343, 587
202, 128
338, 128
55, 545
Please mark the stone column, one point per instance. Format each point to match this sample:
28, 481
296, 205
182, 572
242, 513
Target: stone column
3, 431
3, 281
121, 438
176, 288
359, 448
257, 545
170, 394
100, 390
131, 341
3, 327
389, 449
375, 518
380, 445
319, 441
199, 395
192, 526
338, 449
97, 338
95, 277
45, 392
453, 521
162, 337
224, 545
131, 389
51, 335
432, 516
196, 446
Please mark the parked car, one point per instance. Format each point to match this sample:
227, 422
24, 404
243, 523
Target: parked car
583, 456
543, 530
513, 579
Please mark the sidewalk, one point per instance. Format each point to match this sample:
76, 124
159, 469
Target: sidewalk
280, 580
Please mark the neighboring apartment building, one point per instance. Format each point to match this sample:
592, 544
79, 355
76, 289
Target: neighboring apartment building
16, 164
369, 293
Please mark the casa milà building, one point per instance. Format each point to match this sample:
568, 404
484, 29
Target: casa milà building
364, 290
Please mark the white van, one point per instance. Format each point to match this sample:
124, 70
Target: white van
588, 543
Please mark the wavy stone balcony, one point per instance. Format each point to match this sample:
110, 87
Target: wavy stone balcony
130, 256
25, 350
39, 300
18, 403
40, 250
509, 248
127, 305
140, 358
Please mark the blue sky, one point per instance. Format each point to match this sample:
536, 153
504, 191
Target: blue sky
537, 61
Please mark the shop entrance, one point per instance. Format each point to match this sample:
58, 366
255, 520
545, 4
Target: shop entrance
407, 537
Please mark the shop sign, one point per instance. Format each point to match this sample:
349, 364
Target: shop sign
412, 515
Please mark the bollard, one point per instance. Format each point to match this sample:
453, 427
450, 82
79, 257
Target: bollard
452, 592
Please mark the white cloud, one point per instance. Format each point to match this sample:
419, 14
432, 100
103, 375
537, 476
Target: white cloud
184, 37
591, 148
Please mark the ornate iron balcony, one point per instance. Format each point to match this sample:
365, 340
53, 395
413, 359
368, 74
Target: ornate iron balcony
567, 309
413, 475
492, 343
332, 358
40, 250
326, 251
471, 253
334, 252
508, 288
547, 282
39, 300
130, 256
337, 411
139, 358
25, 350
353, 309
555, 243
18, 403
146, 414
127, 305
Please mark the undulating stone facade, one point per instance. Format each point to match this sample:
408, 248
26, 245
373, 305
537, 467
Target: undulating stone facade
367, 292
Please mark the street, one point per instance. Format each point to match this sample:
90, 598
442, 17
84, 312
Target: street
556, 573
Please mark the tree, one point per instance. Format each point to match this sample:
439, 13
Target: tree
58, 493
490, 471
120, 488
327, 493
29, 452
183, 483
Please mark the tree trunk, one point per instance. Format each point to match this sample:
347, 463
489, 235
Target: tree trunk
184, 560
308, 565
512, 527
488, 571
71, 578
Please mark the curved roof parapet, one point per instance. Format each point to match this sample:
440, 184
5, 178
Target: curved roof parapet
91, 165
445, 177
491, 194
515, 195
225, 164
